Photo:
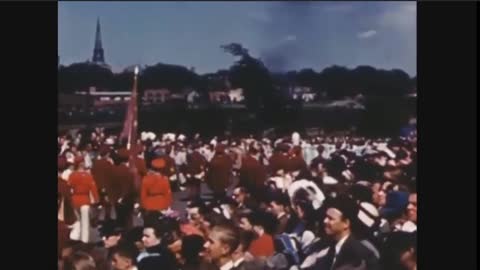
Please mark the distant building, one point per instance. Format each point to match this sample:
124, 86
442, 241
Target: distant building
155, 96
236, 95
218, 96
105, 98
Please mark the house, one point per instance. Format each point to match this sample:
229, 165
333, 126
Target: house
218, 96
192, 96
236, 95
105, 98
308, 97
155, 96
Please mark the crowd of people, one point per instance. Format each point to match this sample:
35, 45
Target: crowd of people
292, 202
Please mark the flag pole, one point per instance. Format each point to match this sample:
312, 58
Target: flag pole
132, 112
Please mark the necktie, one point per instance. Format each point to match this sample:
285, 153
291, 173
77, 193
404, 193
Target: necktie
330, 257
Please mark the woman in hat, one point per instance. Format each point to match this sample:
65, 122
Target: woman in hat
85, 193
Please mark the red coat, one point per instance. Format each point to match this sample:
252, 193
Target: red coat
219, 173
101, 172
155, 192
141, 166
122, 183
196, 163
252, 173
64, 190
262, 246
278, 161
297, 163
169, 169
83, 185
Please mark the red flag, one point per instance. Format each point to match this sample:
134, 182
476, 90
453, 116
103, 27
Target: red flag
129, 131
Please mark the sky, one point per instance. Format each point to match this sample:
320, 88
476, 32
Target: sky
285, 35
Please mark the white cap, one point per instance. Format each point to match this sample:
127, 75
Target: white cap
181, 137
367, 214
328, 180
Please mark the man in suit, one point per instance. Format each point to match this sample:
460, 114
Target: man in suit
252, 172
219, 173
196, 165
123, 189
345, 252
102, 173
278, 207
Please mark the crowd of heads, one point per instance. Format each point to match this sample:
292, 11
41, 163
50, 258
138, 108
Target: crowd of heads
316, 191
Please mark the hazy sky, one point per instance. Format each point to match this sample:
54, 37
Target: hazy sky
286, 35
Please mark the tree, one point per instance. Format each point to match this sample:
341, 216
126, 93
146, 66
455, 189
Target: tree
307, 77
173, 77
251, 75
337, 82
81, 76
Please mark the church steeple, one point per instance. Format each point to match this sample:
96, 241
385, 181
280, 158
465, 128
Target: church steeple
98, 56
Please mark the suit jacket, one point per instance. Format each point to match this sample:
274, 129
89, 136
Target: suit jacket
219, 173
141, 166
277, 162
282, 224
196, 163
352, 255
101, 172
64, 190
122, 183
255, 264
158, 258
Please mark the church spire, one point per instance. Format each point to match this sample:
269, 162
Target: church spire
98, 50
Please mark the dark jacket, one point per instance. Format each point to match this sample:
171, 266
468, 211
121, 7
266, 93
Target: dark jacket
158, 257
352, 255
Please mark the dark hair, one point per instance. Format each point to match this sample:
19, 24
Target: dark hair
215, 218
246, 238
164, 229
157, 227
79, 260
127, 250
280, 198
191, 247
263, 219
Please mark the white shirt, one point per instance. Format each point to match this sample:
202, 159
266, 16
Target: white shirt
238, 262
66, 174
227, 266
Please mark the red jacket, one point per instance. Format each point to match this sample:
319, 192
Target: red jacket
155, 192
102, 172
82, 184
252, 173
262, 246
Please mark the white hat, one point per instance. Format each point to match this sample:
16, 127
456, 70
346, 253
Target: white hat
169, 136
109, 141
328, 180
152, 136
295, 138
143, 136
367, 214
181, 137
315, 194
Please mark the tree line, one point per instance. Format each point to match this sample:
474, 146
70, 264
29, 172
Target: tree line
247, 72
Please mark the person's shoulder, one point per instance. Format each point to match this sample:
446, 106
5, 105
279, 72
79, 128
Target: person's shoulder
356, 247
